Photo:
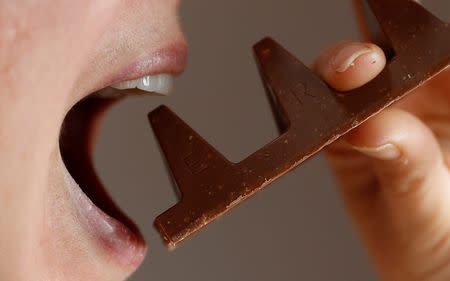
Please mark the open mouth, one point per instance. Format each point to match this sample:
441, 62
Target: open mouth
117, 234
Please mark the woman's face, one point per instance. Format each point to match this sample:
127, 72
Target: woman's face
145, 38
66, 236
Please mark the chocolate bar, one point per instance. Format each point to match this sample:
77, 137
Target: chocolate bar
311, 116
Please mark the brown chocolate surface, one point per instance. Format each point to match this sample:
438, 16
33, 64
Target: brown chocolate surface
311, 116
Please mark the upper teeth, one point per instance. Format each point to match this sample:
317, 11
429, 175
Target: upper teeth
161, 84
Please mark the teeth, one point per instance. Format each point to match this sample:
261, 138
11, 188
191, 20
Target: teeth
161, 84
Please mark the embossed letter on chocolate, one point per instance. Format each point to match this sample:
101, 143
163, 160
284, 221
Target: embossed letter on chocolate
311, 114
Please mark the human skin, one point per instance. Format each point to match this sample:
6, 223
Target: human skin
52, 54
393, 170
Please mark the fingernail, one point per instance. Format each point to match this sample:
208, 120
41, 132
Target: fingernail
346, 55
384, 152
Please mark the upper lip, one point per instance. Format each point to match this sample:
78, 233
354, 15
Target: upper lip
168, 60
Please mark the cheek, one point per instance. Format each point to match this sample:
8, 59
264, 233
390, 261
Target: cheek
140, 28
64, 249
148, 21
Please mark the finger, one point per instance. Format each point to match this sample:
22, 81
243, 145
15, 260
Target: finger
399, 195
345, 66
412, 212
401, 147
349, 65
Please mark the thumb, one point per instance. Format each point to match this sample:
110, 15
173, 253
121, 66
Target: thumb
404, 152
394, 178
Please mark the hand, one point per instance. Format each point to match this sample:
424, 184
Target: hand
393, 170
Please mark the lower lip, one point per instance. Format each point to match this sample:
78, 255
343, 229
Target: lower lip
117, 241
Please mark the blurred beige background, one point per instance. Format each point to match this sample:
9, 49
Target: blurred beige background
297, 228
